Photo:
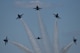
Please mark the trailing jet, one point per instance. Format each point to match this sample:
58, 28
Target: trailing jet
56, 15
37, 8
19, 16
6, 40
38, 38
74, 40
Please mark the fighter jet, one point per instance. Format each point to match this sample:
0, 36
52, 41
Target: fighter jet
74, 40
37, 8
56, 15
38, 38
6, 40
19, 16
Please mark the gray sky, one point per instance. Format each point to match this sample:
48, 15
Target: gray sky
68, 25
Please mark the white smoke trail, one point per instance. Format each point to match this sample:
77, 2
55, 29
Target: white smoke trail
32, 39
56, 41
21, 47
65, 49
44, 34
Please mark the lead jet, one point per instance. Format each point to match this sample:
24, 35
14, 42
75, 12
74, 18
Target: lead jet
38, 38
19, 16
37, 8
6, 40
74, 40
56, 15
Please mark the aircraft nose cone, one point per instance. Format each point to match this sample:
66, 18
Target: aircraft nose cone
5, 40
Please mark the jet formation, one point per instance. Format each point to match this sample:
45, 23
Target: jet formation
6, 40
37, 8
19, 16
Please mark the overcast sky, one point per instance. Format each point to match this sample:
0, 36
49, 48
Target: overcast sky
68, 25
